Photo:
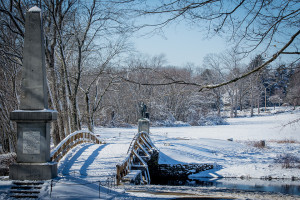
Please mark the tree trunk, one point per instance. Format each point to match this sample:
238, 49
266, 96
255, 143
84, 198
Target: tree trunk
251, 112
252, 100
64, 101
235, 105
54, 132
231, 107
88, 114
53, 90
265, 99
258, 106
75, 123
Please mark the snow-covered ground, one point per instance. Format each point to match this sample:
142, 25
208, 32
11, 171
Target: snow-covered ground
90, 167
237, 158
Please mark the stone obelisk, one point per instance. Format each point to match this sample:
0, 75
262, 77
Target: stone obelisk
33, 119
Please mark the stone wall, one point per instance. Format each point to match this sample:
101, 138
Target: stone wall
161, 173
182, 171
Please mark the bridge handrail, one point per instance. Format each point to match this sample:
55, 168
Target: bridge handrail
70, 141
124, 167
132, 142
138, 135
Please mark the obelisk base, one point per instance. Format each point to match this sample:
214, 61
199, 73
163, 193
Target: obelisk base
33, 171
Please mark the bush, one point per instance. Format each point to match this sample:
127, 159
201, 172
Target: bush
212, 121
5, 161
258, 144
288, 161
170, 123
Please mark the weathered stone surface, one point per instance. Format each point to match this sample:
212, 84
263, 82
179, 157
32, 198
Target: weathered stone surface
33, 144
34, 87
143, 125
33, 115
33, 171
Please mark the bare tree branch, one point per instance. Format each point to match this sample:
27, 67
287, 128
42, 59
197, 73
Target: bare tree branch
274, 57
202, 87
295, 53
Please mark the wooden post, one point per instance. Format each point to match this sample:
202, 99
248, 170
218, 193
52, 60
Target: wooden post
118, 175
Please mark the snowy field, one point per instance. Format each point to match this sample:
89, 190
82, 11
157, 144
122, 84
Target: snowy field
90, 168
239, 158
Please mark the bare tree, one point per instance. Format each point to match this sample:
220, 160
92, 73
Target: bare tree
99, 81
11, 40
293, 93
75, 31
213, 75
245, 20
255, 85
265, 26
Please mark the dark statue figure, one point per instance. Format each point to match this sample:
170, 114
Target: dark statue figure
143, 110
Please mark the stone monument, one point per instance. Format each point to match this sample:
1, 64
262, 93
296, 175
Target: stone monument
144, 125
33, 119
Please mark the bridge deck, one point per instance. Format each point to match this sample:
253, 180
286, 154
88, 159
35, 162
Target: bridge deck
97, 160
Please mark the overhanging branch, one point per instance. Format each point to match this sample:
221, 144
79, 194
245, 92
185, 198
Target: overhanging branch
274, 57
202, 87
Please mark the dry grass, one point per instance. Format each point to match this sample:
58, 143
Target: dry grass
286, 141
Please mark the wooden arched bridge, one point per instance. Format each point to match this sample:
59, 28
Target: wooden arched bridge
133, 168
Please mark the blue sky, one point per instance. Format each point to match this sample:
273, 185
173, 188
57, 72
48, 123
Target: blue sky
179, 44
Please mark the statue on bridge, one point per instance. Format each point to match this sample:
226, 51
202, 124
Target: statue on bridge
143, 111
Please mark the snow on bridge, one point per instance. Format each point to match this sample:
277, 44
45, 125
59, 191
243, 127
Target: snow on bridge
97, 160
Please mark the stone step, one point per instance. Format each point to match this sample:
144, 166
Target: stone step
26, 189
28, 182
133, 177
23, 196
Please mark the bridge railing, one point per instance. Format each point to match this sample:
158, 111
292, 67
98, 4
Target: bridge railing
71, 141
141, 144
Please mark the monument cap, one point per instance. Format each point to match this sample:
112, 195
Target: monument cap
35, 9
